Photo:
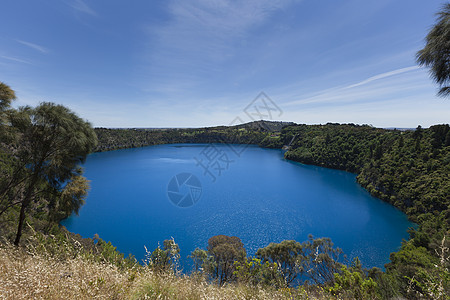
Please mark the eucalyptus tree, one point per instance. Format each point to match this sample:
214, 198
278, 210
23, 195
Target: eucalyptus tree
52, 142
436, 53
322, 259
287, 255
225, 251
199, 258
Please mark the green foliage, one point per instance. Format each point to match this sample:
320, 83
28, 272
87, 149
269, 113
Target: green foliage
225, 251
344, 147
7, 95
52, 142
277, 265
106, 252
409, 169
353, 285
252, 271
199, 257
111, 139
322, 259
8, 193
165, 258
57, 246
419, 273
72, 197
63, 245
437, 50
406, 263
287, 256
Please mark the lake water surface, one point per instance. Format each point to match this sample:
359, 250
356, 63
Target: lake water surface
256, 195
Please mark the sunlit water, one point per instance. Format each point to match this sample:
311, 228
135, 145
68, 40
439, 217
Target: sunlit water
257, 195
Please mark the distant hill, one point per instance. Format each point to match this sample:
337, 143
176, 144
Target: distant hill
271, 126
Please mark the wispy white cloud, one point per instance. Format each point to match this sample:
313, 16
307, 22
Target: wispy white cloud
231, 17
33, 46
374, 87
81, 6
15, 59
201, 37
383, 75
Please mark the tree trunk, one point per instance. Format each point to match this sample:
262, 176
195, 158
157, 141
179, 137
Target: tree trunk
25, 203
21, 219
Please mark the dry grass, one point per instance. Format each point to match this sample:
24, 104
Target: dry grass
26, 276
37, 275
175, 287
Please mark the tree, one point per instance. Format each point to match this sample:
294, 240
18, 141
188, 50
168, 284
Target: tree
52, 142
225, 250
321, 259
167, 257
199, 257
352, 284
7, 95
436, 53
252, 271
440, 134
287, 255
70, 199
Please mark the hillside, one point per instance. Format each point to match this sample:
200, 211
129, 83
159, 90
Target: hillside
248, 133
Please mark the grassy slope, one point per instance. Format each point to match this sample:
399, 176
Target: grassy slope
38, 274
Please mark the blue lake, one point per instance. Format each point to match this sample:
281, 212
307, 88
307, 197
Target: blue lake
252, 193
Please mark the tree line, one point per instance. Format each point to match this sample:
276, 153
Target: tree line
113, 139
315, 262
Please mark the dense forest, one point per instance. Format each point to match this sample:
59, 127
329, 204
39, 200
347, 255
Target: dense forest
409, 169
249, 133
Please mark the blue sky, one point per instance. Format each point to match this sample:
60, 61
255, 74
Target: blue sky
201, 62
